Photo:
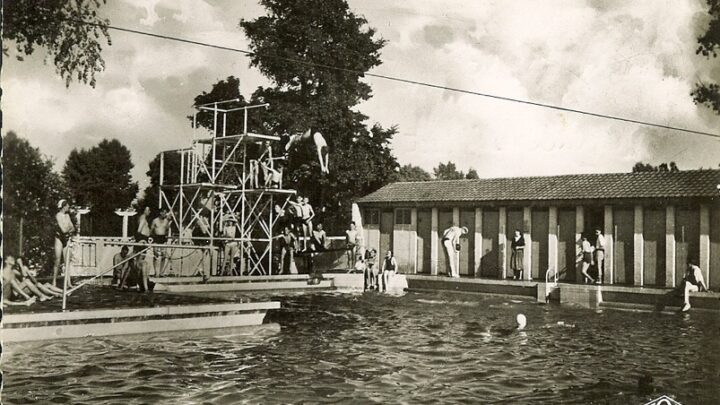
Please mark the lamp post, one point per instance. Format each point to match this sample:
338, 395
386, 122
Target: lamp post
125, 214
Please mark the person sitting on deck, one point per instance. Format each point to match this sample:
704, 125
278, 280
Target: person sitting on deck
11, 287
137, 274
46, 288
587, 258
288, 245
389, 267
692, 282
371, 272
23, 287
120, 267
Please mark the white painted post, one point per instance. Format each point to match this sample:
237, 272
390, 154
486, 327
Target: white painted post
609, 273
670, 246
705, 242
413, 238
478, 241
579, 229
434, 242
502, 242
639, 254
456, 222
553, 239
527, 235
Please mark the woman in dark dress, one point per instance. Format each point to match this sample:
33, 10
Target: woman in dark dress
518, 254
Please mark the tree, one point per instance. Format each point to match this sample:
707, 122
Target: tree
30, 196
472, 174
708, 44
411, 173
75, 47
292, 45
647, 167
448, 171
100, 177
171, 176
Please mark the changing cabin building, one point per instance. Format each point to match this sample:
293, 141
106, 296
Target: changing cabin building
652, 223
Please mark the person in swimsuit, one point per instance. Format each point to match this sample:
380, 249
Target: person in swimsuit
319, 239
25, 273
297, 215
320, 146
587, 258
120, 270
389, 267
288, 245
351, 236
692, 282
231, 248
63, 229
11, 287
518, 255
599, 255
451, 242
371, 272
143, 229
159, 230
307, 215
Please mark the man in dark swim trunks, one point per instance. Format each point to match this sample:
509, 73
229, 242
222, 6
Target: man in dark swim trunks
159, 230
63, 230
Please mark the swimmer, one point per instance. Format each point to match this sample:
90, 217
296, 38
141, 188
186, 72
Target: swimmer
521, 321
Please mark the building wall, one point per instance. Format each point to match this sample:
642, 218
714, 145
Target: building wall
403, 241
490, 227
445, 220
467, 243
539, 255
714, 272
567, 259
654, 246
650, 244
424, 233
687, 239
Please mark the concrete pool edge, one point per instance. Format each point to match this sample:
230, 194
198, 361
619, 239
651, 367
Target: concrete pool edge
129, 321
584, 295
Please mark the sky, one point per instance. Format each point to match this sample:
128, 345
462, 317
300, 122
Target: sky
632, 59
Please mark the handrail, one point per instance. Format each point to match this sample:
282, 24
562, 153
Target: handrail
67, 292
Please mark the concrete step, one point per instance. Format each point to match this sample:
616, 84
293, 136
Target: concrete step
230, 279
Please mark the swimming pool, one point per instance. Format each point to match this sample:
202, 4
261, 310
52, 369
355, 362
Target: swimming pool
417, 348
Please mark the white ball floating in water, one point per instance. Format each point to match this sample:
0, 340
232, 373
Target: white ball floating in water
521, 321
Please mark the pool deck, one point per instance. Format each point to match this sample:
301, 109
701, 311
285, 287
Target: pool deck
584, 295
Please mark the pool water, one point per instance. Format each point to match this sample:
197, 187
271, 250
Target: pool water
370, 348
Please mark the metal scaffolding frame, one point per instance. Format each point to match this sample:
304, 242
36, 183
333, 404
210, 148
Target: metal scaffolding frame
217, 181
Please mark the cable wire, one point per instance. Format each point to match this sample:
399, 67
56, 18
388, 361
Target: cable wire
406, 81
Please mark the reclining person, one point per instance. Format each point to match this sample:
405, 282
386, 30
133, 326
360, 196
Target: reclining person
22, 288
25, 274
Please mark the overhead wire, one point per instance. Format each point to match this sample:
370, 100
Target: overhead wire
407, 81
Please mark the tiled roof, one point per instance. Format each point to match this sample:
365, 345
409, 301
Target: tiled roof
691, 183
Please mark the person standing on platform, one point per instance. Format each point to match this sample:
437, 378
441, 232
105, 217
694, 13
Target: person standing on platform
231, 247
308, 213
288, 245
63, 230
451, 242
159, 230
587, 258
351, 239
319, 239
518, 255
143, 229
599, 255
